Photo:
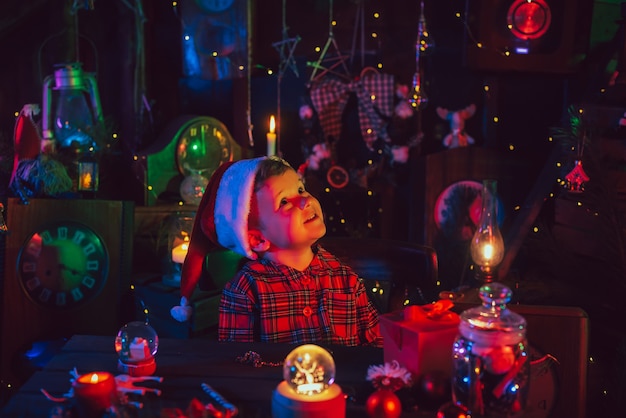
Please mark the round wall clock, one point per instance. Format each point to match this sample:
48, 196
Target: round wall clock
202, 144
63, 265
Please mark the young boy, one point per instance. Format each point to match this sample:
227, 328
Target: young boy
291, 290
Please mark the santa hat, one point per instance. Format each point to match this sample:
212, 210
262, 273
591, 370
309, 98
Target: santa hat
221, 221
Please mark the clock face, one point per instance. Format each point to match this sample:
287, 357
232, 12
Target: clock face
63, 265
203, 145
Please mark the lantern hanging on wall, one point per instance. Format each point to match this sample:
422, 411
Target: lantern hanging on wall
72, 114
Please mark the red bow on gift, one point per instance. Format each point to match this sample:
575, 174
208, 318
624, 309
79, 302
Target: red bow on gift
438, 311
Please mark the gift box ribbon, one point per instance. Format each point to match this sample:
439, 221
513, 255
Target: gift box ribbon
438, 311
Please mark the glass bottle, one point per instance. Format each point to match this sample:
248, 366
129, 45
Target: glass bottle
491, 364
487, 247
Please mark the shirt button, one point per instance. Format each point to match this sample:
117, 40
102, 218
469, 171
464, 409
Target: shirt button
307, 311
306, 281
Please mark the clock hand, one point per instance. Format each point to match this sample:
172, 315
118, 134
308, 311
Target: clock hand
72, 271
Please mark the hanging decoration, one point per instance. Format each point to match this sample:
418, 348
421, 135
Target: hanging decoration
359, 28
423, 45
336, 61
457, 137
285, 48
574, 137
375, 95
577, 178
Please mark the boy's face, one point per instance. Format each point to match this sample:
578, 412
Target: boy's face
288, 216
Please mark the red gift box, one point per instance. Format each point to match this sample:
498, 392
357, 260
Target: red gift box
420, 338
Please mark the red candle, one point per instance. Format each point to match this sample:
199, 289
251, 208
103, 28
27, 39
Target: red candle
94, 393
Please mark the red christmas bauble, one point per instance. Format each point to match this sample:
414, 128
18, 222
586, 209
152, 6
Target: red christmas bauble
383, 404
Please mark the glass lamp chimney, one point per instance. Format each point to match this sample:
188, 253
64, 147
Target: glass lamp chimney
487, 247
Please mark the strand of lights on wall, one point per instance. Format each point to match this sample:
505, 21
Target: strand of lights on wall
477, 43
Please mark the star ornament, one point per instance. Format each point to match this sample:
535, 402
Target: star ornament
286, 49
333, 61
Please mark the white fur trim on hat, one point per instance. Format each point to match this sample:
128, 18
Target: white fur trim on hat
232, 206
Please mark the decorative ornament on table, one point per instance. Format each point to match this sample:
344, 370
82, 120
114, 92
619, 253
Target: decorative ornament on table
491, 362
308, 389
453, 410
98, 390
386, 379
136, 345
457, 136
218, 407
193, 186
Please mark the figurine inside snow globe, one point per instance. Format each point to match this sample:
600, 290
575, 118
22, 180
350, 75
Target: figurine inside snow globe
308, 389
136, 345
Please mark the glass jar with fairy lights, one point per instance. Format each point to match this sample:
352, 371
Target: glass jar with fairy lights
491, 363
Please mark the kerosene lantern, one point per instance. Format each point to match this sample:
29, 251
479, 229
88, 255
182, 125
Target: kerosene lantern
72, 113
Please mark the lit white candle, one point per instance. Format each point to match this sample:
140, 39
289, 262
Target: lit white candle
271, 137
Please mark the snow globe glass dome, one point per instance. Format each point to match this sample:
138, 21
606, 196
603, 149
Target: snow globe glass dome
136, 345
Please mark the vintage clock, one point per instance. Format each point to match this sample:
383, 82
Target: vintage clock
63, 265
67, 266
188, 145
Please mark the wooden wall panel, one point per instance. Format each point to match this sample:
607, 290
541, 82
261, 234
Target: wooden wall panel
23, 321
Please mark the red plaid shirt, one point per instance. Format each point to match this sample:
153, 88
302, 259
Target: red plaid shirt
326, 303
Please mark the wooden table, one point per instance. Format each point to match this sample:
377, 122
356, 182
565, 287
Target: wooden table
186, 363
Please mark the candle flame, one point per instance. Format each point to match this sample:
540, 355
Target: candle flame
488, 251
272, 124
94, 378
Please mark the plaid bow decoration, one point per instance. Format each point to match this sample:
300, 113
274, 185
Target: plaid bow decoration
375, 96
